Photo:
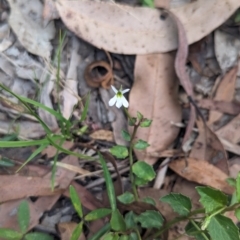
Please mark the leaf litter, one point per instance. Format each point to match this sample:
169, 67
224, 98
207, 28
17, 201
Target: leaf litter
166, 43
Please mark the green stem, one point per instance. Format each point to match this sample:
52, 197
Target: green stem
128, 115
200, 231
176, 220
134, 189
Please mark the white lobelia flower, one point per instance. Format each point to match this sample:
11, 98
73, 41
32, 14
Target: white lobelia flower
119, 99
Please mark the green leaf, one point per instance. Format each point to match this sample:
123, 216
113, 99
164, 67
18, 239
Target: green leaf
139, 181
129, 220
23, 215
5, 162
76, 201
124, 237
117, 221
38, 236
119, 151
231, 181
211, 199
146, 122
111, 236
77, 231
148, 3
237, 213
222, 228
34, 154
126, 198
194, 230
143, 170
97, 213
178, 202
126, 136
133, 236
10, 234
85, 109
238, 187
150, 219
100, 232
132, 121
233, 199
141, 145
139, 116
109, 183
149, 200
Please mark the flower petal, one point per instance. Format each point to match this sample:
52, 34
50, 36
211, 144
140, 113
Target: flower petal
112, 101
125, 102
119, 102
126, 90
114, 89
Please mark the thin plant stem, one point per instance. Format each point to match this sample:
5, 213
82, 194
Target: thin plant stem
128, 115
131, 155
197, 227
176, 220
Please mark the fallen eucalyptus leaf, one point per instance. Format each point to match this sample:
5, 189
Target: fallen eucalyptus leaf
27, 23
154, 94
126, 31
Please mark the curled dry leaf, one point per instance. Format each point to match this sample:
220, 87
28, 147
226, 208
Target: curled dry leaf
95, 78
155, 95
27, 23
126, 31
201, 172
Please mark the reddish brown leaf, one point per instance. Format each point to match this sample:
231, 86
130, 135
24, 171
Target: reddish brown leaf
224, 92
201, 172
232, 108
154, 94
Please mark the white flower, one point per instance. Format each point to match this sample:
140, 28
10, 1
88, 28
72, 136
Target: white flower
119, 99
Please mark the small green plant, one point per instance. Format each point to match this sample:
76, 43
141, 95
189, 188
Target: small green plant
147, 3
23, 217
206, 223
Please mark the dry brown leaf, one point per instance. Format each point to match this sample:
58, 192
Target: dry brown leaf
126, 31
66, 230
154, 94
208, 147
87, 199
102, 135
51, 151
232, 108
49, 11
230, 131
201, 172
180, 68
27, 23
11, 185
224, 92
